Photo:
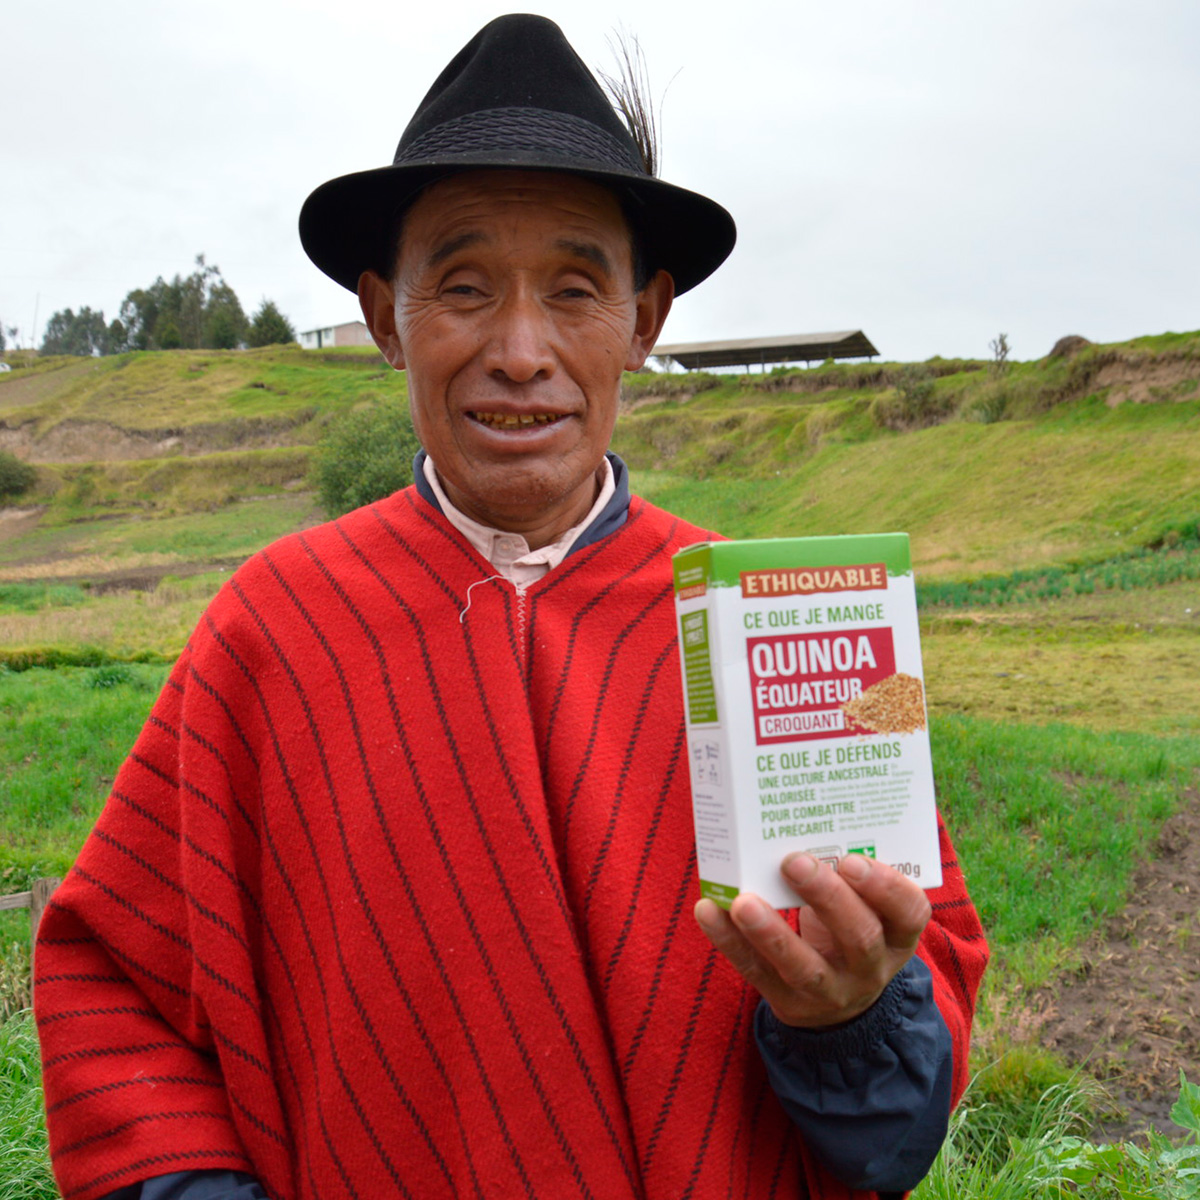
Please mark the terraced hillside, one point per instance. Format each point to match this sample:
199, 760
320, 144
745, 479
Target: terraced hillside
159, 472
1059, 460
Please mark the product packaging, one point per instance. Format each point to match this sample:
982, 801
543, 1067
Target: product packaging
805, 707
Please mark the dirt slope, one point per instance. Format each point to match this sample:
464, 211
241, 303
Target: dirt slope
1132, 1013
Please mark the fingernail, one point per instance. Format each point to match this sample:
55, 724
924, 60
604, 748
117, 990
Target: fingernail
750, 912
855, 866
801, 868
705, 913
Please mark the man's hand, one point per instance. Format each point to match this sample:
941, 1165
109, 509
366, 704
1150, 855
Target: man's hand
861, 927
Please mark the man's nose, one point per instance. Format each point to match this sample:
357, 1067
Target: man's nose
519, 341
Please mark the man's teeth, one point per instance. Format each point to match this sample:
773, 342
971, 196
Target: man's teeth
514, 420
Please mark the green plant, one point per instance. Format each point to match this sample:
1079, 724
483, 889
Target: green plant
16, 476
914, 403
14, 977
1010, 1096
1051, 1161
111, 675
1168, 557
987, 405
365, 455
1000, 351
24, 1157
270, 327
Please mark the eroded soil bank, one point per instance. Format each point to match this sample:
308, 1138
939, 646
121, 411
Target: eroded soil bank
1131, 1014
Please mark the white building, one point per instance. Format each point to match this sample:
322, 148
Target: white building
352, 333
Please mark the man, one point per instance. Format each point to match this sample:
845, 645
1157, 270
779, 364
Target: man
392, 895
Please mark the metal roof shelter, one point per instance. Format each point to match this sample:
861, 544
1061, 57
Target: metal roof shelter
746, 352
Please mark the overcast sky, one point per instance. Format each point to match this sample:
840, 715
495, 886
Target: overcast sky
933, 173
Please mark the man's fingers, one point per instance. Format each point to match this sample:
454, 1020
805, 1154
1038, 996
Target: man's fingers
868, 907
764, 950
719, 928
854, 930
899, 903
817, 980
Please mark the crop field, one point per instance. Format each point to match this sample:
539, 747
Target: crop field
1053, 514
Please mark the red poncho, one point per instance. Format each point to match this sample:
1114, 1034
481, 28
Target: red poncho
393, 897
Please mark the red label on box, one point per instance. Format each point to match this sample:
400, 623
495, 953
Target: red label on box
799, 682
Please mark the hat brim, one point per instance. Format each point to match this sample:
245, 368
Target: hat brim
347, 224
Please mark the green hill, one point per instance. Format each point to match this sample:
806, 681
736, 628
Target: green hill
1058, 460
158, 472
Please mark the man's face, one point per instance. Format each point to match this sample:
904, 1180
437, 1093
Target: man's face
513, 311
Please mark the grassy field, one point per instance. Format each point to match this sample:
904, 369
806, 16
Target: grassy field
1053, 516
1043, 880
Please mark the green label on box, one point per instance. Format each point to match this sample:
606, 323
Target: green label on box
721, 564
722, 893
690, 566
697, 668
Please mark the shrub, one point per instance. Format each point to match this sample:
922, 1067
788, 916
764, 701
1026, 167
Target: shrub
111, 675
364, 455
15, 476
913, 403
988, 405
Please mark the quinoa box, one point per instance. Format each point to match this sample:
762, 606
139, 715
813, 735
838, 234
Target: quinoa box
805, 706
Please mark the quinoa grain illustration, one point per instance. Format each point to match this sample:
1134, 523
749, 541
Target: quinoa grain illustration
893, 705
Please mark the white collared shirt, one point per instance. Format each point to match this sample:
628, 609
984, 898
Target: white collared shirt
509, 552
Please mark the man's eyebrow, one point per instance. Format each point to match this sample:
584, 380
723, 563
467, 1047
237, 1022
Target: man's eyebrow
453, 246
588, 251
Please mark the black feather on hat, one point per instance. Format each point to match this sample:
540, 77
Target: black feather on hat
515, 96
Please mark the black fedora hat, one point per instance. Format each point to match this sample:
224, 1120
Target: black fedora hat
515, 96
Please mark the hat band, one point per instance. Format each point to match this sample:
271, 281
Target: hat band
536, 130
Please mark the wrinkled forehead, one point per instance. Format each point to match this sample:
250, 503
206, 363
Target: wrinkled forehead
534, 205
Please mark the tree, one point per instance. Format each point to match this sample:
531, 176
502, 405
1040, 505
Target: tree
192, 294
16, 476
173, 314
167, 333
270, 327
225, 322
1000, 350
364, 455
83, 333
198, 311
3, 344
139, 315
59, 333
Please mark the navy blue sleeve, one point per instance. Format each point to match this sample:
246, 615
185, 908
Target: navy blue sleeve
193, 1185
872, 1097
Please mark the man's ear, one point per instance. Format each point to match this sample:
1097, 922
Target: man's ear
377, 298
653, 305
